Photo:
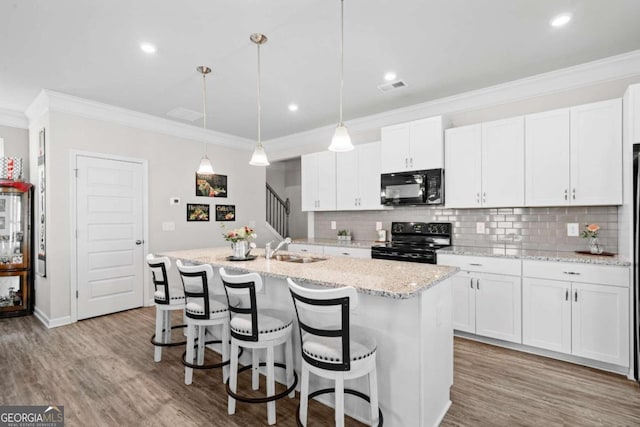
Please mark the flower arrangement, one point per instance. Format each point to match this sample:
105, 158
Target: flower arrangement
344, 235
590, 231
238, 234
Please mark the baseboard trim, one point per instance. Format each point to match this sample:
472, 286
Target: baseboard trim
51, 323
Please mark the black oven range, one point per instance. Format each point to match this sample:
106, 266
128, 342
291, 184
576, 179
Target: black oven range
414, 242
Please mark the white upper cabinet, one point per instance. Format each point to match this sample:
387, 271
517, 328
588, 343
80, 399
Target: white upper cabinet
503, 163
319, 181
596, 153
547, 142
485, 164
358, 178
463, 170
632, 113
411, 146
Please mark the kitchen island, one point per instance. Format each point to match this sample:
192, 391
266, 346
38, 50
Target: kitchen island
407, 307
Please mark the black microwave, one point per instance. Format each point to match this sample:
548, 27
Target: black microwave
425, 187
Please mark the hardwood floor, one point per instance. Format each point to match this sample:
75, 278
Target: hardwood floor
102, 371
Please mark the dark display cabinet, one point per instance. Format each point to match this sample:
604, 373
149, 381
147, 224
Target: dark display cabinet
16, 237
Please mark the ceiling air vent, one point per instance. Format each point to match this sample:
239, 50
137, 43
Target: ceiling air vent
184, 114
387, 87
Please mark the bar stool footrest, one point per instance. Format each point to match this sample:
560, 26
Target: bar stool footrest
168, 344
209, 366
346, 391
267, 398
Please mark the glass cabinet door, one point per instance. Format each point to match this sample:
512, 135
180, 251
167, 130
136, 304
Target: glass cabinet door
14, 250
14, 291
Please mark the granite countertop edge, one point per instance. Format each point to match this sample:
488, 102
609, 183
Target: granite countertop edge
559, 256
398, 295
362, 244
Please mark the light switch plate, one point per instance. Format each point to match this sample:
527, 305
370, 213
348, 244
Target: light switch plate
333, 225
480, 227
378, 225
174, 200
169, 226
573, 229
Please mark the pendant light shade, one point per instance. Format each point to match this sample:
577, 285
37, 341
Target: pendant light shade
341, 140
259, 157
205, 168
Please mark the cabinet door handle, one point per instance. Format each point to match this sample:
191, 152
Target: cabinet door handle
471, 282
566, 194
346, 253
406, 162
304, 250
411, 161
475, 264
478, 284
566, 294
575, 296
484, 197
574, 194
572, 273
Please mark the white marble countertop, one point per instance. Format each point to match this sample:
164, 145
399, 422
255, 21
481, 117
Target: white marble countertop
392, 279
538, 255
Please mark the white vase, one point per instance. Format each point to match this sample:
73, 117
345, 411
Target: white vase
241, 249
594, 246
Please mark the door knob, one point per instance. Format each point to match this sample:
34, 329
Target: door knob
139, 242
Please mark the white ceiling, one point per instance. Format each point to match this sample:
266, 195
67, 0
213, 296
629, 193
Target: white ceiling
91, 49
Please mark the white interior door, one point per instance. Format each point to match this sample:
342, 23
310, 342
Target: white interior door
109, 238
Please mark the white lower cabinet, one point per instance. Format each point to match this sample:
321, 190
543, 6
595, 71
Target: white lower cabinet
330, 250
485, 303
306, 249
589, 320
347, 251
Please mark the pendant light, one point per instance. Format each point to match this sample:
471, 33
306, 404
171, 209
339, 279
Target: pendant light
205, 167
259, 157
341, 140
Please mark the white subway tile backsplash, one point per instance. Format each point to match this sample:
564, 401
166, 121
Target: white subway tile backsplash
526, 228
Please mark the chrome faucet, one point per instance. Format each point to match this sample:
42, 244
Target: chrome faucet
270, 253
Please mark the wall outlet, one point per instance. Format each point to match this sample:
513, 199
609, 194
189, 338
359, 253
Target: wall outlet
480, 227
378, 226
169, 226
174, 200
572, 229
333, 225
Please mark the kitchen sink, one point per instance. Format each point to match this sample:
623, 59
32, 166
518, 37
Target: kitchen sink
297, 259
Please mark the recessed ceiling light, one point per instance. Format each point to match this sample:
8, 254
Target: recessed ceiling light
390, 76
293, 107
148, 48
560, 20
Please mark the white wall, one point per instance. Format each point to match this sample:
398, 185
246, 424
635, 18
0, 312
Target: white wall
172, 163
16, 144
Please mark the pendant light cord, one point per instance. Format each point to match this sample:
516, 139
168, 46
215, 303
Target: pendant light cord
204, 107
341, 56
259, 103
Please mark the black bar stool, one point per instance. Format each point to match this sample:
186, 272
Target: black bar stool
203, 310
333, 349
257, 328
167, 299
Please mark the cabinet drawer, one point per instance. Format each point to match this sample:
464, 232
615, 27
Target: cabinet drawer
512, 267
576, 272
346, 251
307, 249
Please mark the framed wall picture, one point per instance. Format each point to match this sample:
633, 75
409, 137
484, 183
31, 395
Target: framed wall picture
225, 212
41, 262
197, 212
211, 185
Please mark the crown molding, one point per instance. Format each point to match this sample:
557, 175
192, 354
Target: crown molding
14, 119
49, 101
590, 73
